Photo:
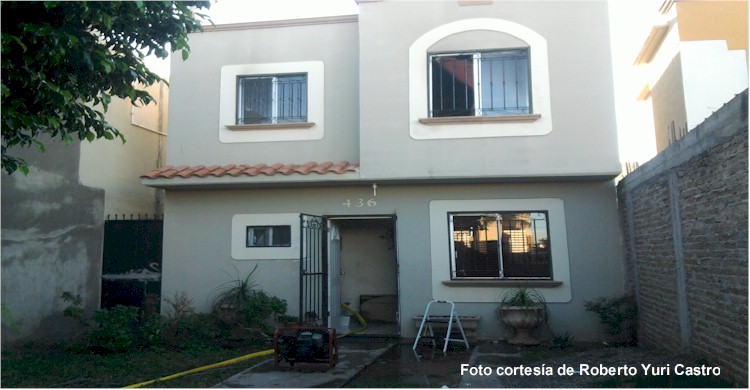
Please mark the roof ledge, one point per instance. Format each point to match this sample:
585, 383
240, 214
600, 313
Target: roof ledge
653, 42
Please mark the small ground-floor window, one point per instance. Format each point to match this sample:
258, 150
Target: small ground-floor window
269, 236
503, 244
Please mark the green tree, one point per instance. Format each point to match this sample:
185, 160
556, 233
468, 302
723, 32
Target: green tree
62, 62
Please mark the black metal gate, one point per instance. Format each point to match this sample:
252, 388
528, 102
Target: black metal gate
313, 260
131, 262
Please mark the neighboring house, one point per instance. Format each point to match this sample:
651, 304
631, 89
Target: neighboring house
53, 219
696, 61
475, 147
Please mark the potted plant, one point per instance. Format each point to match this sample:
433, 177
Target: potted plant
522, 309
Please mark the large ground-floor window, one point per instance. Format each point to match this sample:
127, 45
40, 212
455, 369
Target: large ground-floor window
500, 245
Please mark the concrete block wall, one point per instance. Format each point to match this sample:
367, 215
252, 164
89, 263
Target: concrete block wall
685, 218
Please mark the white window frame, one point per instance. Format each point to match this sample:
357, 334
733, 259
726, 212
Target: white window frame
313, 129
240, 250
537, 124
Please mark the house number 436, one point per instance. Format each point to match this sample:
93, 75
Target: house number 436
360, 202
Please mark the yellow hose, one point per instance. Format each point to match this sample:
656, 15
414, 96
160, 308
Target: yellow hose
241, 358
358, 317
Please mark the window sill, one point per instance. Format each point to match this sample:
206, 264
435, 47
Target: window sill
272, 126
450, 120
502, 283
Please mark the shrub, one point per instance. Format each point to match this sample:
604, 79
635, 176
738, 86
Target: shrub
263, 310
117, 328
619, 316
563, 341
238, 303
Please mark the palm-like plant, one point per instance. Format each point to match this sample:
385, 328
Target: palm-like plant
235, 293
524, 309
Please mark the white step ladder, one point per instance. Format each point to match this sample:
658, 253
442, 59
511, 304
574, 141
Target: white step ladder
426, 326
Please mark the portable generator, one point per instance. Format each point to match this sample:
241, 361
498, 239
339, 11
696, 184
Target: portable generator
306, 344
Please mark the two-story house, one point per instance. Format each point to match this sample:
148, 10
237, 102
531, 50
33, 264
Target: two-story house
420, 150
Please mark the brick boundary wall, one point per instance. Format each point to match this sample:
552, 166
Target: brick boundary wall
685, 220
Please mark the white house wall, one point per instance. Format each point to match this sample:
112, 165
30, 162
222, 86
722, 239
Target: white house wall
198, 244
115, 166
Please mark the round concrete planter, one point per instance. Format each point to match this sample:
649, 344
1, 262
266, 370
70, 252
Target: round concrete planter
524, 319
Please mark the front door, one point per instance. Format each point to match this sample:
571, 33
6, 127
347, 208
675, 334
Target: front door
313, 260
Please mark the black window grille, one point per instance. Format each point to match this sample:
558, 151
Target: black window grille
501, 245
272, 99
480, 84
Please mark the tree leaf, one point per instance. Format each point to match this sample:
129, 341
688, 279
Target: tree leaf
57, 57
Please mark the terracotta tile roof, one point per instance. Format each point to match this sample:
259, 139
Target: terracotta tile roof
234, 170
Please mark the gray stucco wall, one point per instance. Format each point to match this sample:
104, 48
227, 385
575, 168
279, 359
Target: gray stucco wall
198, 229
52, 229
583, 139
195, 91
367, 93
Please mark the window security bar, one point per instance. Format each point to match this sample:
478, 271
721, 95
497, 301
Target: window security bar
272, 99
480, 84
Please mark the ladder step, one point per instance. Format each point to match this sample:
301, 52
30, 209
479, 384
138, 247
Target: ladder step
450, 319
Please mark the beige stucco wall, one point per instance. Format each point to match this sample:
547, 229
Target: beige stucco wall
116, 167
582, 137
668, 101
196, 90
198, 230
710, 20
367, 92
699, 64
368, 262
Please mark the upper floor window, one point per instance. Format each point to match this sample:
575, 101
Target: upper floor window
500, 245
488, 83
271, 99
280, 101
478, 78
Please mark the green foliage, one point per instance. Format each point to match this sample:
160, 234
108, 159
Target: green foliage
522, 296
262, 311
618, 315
61, 59
75, 307
238, 302
563, 341
236, 293
117, 328
9, 320
49, 366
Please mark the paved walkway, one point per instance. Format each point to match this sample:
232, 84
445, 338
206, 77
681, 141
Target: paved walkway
389, 365
353, 357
